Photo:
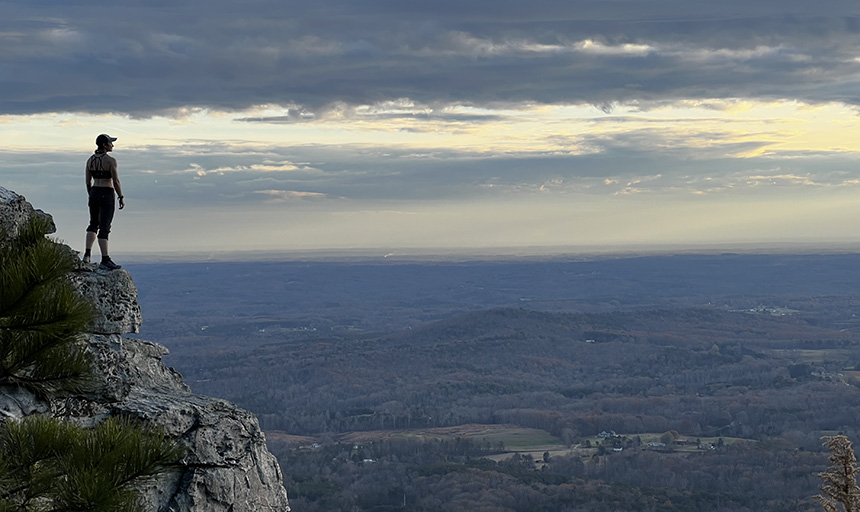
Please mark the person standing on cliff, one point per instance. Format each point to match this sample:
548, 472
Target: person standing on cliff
102, 182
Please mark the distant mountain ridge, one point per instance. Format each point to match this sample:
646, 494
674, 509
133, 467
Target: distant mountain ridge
623, 326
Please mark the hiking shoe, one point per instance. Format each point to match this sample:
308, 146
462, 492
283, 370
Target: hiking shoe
109, 264
86, 259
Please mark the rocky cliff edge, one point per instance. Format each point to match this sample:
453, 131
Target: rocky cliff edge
228, 467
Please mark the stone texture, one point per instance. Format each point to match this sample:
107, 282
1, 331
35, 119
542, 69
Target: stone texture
16, 403
15, 212
227, 468
115, 297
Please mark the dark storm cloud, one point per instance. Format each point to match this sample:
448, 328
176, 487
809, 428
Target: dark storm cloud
156, 57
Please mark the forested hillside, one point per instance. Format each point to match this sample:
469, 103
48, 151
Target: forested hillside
710, 402
696, 371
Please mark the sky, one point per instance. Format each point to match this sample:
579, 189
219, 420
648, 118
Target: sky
398, 125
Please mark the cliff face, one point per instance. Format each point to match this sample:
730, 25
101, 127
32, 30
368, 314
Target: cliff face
228, 467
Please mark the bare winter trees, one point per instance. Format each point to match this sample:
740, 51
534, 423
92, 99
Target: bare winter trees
839, 481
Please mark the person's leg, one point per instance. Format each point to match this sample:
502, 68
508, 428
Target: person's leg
88, 250
105, 217
106, 261
108, 207
92, 227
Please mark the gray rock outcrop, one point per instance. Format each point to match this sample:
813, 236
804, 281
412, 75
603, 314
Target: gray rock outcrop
228, 467
15, 211
115, 297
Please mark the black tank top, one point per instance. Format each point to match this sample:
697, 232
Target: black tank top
97, 167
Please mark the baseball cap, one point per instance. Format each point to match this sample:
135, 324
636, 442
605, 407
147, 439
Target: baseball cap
103, 139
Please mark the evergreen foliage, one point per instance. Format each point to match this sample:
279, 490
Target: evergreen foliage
46, 464
839, 486
41, 315
50, 465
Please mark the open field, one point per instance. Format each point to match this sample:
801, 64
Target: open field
515, 439
814, 356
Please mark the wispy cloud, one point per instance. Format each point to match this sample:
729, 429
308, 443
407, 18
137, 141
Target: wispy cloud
289, 195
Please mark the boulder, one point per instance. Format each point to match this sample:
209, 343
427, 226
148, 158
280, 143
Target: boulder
15, 212
115, 296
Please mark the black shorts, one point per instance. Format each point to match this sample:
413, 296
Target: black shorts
102, 207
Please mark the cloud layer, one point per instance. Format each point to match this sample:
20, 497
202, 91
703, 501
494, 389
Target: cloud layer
336, 123
156, 57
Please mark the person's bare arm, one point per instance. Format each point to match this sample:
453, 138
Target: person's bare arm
116, 184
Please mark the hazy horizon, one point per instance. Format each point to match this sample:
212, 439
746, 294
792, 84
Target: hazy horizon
429, 254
